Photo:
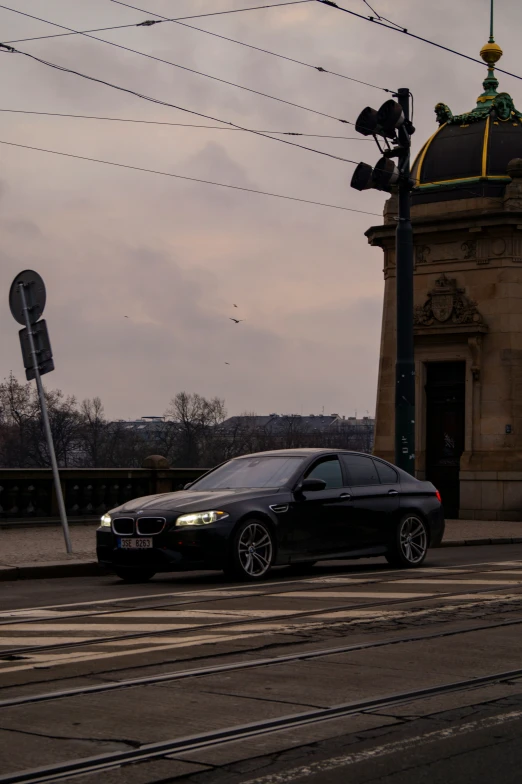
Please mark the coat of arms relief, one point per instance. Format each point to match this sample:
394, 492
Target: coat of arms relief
447, 304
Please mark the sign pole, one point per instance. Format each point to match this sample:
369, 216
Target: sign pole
45, 418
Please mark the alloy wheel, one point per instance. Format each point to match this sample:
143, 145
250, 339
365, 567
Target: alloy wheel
255, 549
413, 539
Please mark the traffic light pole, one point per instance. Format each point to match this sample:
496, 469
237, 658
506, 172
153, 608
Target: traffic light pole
405, 365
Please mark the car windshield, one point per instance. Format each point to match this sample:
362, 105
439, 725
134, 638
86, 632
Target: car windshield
250, 472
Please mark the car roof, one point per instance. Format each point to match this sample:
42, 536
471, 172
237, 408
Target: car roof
302, 452
317, 452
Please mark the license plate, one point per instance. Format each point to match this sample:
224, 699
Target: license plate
135, 544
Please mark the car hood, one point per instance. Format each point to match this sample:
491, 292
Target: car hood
192, 500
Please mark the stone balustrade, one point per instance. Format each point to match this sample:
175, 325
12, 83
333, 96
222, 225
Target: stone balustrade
29, 493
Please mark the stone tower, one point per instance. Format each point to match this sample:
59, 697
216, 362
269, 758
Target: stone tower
467, 221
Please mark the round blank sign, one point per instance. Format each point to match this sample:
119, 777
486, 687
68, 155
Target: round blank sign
34, 290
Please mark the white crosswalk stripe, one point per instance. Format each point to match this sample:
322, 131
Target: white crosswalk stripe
173, 627
353, 595
435, 581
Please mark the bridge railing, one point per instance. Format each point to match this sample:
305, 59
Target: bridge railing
27, 494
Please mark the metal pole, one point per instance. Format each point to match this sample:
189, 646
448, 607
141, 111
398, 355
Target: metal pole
405, 365
45, 418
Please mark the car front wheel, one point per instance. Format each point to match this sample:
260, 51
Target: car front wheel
410, 543
251, 552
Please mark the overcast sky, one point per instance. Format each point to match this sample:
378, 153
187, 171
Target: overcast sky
175, 256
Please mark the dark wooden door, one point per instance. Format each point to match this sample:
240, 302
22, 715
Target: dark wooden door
445, 393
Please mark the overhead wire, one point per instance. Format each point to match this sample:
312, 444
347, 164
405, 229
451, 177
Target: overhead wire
318, 68
378, 15
183, 177
405, 31
149, 22
182, 67
183, 125
379, 21
174, 106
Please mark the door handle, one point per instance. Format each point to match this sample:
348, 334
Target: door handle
345, 495
393, 492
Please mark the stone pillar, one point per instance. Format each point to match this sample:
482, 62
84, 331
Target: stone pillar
158, 466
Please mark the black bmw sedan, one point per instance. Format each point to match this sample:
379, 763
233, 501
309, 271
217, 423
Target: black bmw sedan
294, 506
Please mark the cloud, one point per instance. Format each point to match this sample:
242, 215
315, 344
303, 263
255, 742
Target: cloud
173, 255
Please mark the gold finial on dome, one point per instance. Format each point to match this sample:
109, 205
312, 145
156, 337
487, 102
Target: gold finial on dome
491, 52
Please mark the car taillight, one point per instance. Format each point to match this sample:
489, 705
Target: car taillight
439, 498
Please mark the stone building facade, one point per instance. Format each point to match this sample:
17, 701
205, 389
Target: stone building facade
467, 220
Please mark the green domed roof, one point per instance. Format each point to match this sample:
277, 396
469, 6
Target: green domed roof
469, 153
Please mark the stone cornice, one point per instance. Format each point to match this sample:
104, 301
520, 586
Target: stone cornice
378, 235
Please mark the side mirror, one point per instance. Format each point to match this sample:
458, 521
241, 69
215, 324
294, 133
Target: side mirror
312, 485
189, 484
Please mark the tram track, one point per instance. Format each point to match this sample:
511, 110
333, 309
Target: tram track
198, 672
369, 579
101, 763
7, 653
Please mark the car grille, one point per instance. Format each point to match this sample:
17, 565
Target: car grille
150, 525
123, 526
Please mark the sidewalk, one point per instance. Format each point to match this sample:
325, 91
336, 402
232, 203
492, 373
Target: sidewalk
27, 552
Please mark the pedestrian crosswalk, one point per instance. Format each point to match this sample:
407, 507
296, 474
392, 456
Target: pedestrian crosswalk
34, 638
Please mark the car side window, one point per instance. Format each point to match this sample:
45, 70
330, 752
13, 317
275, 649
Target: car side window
387, 474
361, 470
328, 470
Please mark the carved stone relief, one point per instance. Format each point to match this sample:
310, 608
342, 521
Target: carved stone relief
470, 249
498, 246
447, 303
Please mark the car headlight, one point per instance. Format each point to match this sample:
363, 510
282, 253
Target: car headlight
106, 521
200, 518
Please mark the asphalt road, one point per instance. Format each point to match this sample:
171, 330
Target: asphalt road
354, 672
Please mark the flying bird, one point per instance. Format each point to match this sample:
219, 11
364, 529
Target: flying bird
236, 321
125, 317
235, 306
227, 363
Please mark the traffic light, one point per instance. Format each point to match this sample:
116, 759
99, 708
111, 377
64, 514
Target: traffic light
390, 123
362, 177
385, 175
382, 177
384, 122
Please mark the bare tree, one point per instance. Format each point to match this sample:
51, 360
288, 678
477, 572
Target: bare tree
194, 433
94, 433
64, 420
291, 431
18, 409
197, 418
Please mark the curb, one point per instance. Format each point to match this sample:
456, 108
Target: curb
47, 571
475, 542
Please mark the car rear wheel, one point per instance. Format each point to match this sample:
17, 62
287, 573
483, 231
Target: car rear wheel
410, 543
134, 575
251, 552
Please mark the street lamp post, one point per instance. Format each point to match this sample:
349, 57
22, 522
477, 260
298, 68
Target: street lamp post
392, 123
